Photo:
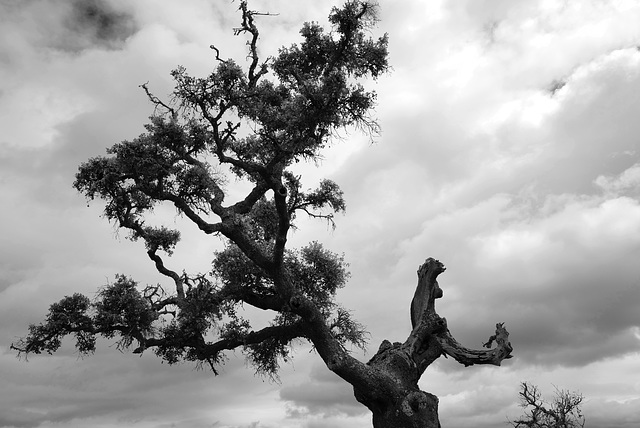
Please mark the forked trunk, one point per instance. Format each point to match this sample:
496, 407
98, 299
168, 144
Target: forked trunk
398, 402
389, 385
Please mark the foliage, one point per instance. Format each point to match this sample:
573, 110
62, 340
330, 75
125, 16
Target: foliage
564, 411
119, 309
247, 122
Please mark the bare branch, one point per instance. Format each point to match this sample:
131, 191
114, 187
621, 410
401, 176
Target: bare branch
182, 205
470, 357
152, 247
427, 291
245, 205
249, 26
167, 272
157, 101
213, 47
562, 412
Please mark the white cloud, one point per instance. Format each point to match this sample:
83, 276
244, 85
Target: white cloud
627, 181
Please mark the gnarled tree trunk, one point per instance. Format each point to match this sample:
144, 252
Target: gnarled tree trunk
391, 391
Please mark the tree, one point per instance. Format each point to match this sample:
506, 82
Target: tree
254, 123
563, 412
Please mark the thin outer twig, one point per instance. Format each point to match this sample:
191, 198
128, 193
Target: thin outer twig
157, 101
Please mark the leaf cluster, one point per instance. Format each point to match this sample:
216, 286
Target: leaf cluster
118, 310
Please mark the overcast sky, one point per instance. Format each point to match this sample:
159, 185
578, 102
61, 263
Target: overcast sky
510, 150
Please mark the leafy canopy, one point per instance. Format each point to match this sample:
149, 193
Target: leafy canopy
251, 121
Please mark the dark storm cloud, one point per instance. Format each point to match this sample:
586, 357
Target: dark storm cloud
93, 23
99, 21
71, 26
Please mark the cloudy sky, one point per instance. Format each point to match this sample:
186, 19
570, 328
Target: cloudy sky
510, 150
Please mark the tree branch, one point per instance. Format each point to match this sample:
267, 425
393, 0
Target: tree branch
430, 336
427, 291
284, 223
152, 247
245, 205
334, 355
167, 272
157, 101
213, 47
248, 25
184, 207
470, 357
218, 193
207, 351
563, 412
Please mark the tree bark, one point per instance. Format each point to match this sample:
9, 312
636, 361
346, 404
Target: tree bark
395, 399
403, 404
